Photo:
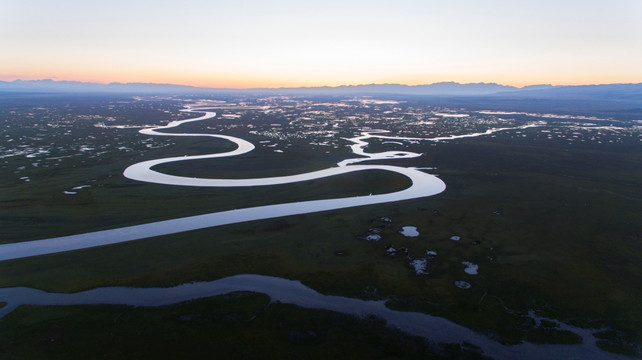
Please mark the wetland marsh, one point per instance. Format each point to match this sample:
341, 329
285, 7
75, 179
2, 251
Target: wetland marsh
546, 210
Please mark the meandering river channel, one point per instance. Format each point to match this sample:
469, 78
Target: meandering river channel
423, 184
288, 291
436, 329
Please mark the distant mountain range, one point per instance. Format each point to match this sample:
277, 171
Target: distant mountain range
48, 85
628, 93
621, 100
436, 89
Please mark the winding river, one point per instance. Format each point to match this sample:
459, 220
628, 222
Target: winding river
434, 328
288, 291
423, 184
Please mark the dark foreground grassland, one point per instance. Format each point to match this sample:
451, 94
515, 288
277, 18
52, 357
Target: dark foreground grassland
554, 228
235, 326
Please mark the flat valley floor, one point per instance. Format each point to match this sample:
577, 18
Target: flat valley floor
537, 233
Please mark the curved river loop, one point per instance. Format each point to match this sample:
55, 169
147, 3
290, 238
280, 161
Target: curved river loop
434, 328
423, 184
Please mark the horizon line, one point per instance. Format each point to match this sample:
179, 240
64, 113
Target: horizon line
308, 86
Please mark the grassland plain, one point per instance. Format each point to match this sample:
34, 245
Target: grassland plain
553, 228
234, 326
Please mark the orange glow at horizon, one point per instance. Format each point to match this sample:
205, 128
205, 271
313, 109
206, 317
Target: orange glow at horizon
236, 79
257, 81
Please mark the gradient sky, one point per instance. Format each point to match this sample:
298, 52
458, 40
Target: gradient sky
253, 43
